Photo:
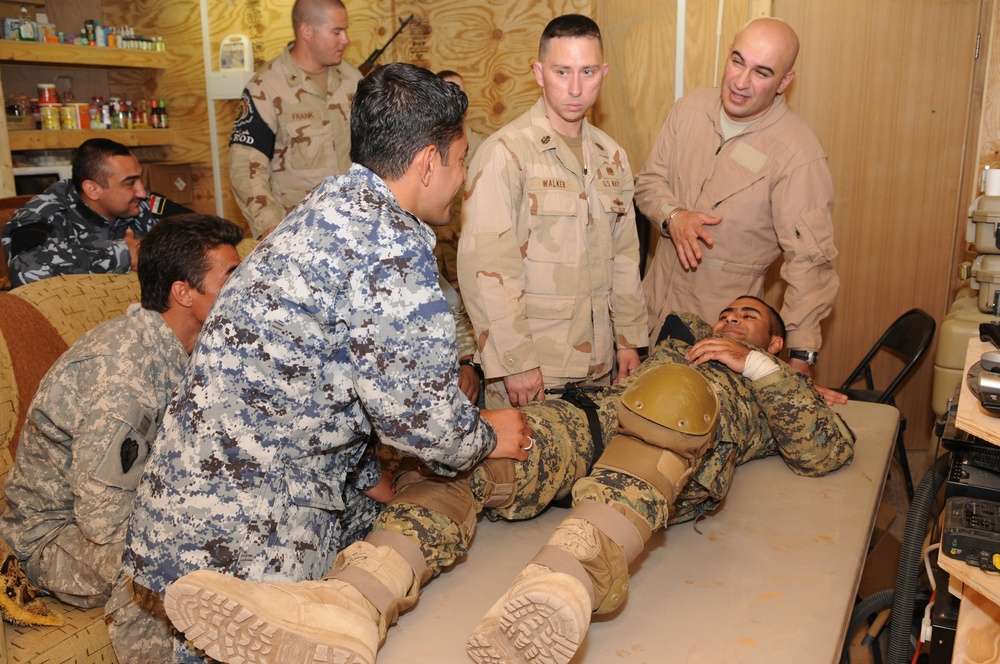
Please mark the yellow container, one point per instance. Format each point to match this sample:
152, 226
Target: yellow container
49, 114
68, 118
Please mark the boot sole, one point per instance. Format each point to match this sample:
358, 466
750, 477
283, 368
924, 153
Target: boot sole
230, 632
534, 627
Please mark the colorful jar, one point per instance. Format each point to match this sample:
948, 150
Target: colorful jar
47, 93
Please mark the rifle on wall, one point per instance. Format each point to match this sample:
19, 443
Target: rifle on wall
369, 64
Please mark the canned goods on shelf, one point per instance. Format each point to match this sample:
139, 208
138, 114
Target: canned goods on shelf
49, 114
68, 117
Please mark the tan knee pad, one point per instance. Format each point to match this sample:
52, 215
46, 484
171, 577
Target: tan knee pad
451, 496
664, 470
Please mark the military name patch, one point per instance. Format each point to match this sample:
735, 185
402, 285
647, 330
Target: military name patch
553, 184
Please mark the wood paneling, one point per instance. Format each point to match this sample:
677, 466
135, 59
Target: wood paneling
640, 45
886, 85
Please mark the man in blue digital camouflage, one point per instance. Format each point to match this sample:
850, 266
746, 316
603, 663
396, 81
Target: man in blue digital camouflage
92, 423
333, 328
666, 442
92, 223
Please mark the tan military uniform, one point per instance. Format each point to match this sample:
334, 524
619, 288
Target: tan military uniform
446, 249
771, 185
288, 137
549, 256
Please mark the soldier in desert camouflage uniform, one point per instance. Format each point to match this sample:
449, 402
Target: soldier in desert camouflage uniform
93, 421
548, 259
762, 408
333, 328
293, 127
91, 224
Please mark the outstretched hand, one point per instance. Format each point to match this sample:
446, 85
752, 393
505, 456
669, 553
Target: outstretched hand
687, 232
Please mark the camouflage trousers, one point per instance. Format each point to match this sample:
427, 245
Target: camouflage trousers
562, 454
78, 572
557, 466
137, 624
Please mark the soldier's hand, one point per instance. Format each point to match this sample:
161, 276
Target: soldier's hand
687, 232
728, 352
133, 248
513, 433
628, 362
831, 397
469, 382
525, 387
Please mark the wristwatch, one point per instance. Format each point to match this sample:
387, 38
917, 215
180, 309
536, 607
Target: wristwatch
665, 226
808, 356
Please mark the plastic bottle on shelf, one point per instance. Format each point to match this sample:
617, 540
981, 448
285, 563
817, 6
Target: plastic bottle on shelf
164, 118
26, 27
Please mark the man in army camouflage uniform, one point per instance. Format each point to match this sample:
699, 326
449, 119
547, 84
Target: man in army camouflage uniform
293, 124
91, 223
93, 421
333, 328
728, 400
548, 260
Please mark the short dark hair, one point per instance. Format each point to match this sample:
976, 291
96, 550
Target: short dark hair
176, 249
312, 12
90, 160
569, 25
776, 326
448, 73
400, 109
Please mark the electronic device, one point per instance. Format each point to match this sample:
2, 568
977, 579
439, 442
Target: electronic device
972, 532
990, 332
984, 383
990, 360
975, 465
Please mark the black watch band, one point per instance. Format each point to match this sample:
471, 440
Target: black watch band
807, 356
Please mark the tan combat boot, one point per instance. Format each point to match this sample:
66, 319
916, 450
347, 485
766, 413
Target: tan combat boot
544, 616
341, 618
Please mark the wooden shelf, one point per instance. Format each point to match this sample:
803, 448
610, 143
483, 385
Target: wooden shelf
22, 53
62, 140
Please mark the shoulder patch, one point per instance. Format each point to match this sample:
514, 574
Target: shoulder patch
156, 204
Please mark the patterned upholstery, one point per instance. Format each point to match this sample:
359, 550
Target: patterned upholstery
38, 322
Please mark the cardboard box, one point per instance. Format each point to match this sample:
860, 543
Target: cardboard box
171, 180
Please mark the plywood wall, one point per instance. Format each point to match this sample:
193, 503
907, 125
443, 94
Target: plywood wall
897, 153
491, 43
